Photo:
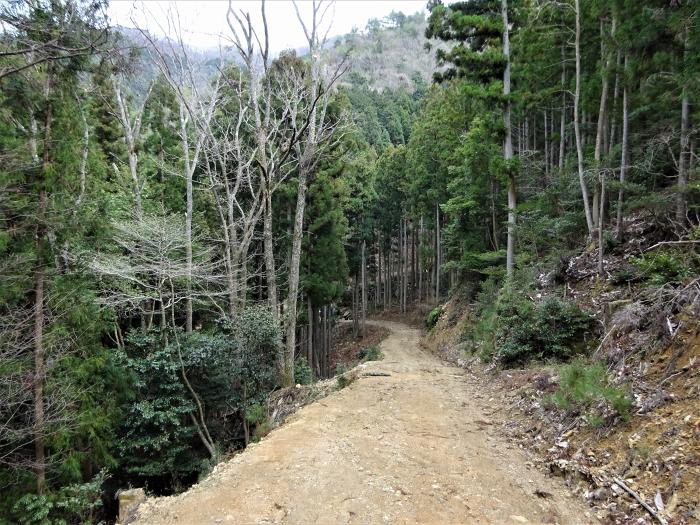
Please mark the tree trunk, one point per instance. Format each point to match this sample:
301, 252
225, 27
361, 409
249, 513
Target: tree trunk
600, 226
189, 172
420, 269
616, 92
377, 276
562, 123
600, 130
39, 280
270, 269
508, 145
390, 276
546, 148
577, 124
130, 140
401, 266
437, 253
291, 305
414, 265
363, 274
309, 338
624, 155
355, 320
681, 205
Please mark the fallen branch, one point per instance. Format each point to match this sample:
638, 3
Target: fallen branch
376, 374
664, 243
643, 503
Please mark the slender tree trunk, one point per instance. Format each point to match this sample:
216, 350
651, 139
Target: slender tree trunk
364, 289
420, 268
600, 227
377, 276
355, 309
600, 130
130, 140
616, 92
39, 280
577, 124
270, 269
508, 144
309, 339
406, 266
189, 171
624, 155
39, 367
546, 148
400, 266
414, 265
681, 205
291, 306
390, 275
562, 122
437, 253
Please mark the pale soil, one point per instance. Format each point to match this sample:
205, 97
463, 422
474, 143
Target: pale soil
415, 447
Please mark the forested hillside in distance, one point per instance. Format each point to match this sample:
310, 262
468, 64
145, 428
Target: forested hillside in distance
389, 53
183, 234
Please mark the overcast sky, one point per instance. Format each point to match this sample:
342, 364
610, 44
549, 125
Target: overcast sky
204, 21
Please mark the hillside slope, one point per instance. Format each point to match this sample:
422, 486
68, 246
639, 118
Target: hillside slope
650, 346
387, 57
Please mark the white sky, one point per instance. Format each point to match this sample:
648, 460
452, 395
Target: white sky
204, 20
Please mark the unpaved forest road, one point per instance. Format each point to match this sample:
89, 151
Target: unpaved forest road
415, 447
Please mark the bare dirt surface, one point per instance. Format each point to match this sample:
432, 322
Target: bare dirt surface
417, 446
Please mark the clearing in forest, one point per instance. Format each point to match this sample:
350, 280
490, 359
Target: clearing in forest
416, 446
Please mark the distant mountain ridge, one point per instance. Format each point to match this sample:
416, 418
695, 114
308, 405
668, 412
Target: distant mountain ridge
389, 54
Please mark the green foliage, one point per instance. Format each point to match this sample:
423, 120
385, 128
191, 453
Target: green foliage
344, 380
256, 415
371, 353
584, 387
73, 504
234, 369
303, 374
341, 368
33, 509
525, 330
667, 266
157, 437
433, 316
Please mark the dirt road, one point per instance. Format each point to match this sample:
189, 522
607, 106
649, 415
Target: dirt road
414, 447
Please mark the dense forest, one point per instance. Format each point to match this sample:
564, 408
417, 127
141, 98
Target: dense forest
181, 232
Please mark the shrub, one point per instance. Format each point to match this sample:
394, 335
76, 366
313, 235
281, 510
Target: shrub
257, 415
525, 330
584, 387
75, 503
665, 266
341, 368
432, 318
302, 372
371, 353
343, 381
